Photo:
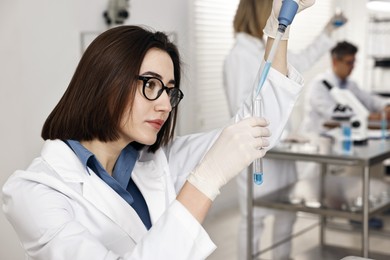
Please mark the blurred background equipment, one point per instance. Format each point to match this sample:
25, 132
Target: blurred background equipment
117, 12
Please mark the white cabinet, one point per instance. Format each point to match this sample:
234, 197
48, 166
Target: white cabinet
378, 53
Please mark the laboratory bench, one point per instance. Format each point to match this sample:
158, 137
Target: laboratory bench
355, 197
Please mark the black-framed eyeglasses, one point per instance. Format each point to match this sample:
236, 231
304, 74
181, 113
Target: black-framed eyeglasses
153, 88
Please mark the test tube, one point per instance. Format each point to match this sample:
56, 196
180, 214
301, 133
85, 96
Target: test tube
338, 22
258, 163
346, 135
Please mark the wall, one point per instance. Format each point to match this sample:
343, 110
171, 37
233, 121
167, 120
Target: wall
39, 50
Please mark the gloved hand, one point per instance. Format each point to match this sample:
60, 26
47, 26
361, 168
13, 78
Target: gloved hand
271, 27
336, 21
237, 146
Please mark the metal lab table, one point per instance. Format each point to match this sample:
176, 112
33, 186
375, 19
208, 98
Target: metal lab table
362, 156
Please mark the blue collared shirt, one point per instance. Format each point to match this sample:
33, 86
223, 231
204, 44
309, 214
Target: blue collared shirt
121, 180
343, 83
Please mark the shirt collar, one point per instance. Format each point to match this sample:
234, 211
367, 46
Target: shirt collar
82, 153
341, 83
123, 166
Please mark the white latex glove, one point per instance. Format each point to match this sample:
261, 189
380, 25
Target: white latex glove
237, 146
271, 27
336, 21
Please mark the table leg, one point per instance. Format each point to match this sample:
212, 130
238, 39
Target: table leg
321, 198
365, 196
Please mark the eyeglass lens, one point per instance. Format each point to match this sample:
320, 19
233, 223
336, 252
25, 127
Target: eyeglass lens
154, 87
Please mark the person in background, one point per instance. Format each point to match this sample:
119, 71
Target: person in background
320, 105
239, 73
112, 180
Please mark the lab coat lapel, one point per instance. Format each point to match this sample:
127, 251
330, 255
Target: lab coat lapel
149, 174
94, 190
112, 205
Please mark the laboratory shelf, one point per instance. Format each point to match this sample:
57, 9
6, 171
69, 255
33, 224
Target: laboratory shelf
338, 197
337, 224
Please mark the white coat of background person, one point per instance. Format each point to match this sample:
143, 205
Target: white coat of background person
319, 104
240, 69
64, 206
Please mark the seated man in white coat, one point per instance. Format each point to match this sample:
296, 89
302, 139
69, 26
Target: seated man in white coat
320, 104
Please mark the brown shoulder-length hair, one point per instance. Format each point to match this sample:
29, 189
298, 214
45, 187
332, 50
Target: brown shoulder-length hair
251, 17
104, 84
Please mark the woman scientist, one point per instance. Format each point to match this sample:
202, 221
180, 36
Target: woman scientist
112, 182
240, 69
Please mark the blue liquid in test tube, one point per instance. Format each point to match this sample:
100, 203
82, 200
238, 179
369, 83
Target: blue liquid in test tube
347, 137
258, 163
258, 176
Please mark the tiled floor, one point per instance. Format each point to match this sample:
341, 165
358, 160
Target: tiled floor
223, 229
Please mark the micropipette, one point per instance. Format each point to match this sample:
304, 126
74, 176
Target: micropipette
286, 15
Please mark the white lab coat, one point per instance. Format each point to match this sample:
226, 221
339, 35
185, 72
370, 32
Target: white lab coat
320, 104
59, 211
240, 69
243, 62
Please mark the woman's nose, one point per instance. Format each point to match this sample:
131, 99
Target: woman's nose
164, 102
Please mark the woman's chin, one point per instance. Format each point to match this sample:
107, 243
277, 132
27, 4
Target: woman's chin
147, 141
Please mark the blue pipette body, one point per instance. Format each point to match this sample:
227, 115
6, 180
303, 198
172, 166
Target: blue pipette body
287, 12
286, 16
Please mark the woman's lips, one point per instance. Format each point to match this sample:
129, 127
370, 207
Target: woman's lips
157, 123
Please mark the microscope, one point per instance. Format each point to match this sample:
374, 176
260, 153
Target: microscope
359, 117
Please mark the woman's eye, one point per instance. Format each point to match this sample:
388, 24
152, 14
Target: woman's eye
151, 84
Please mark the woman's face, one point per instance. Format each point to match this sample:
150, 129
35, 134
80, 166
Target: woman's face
147, 117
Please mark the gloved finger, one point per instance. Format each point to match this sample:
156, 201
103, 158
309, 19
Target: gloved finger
264, 142
258, 131
303, 4
276, 5
257, 121
254, 121
259, 153
260, 143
